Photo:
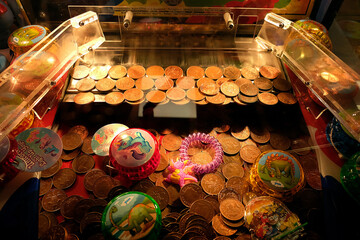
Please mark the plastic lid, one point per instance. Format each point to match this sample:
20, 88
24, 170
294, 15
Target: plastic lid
278, 173
135, 153
38, 149
269, 218
4, 148
22, 39
132, 215
103, 137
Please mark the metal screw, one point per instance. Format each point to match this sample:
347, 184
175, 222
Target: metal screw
281, 25
81, 23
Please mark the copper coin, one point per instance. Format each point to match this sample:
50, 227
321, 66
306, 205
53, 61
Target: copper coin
114, 98
81, 208
55, 232
204, 81
91, 177
84, 98
223, 128
45, 185
136, 71
164, 83
85, 84
242, 134
182, 102
287, 98
232, 169
83, 163
190, 193
194, 94
86, 147
64, 178
250, 73
249, 153
241, 81
219, 98
51, 170
185, 82
195, 71
232, 209
103, 185
67, 206
90, 218
160, 195
174, 195
249, 89
98, 72
230, 145
66, 155
156, 96
143, 186
282, 84
125, 83
81, 130
144, 83
247, 142
173, 72
212, 183
247, 99
117, 71
133, 94
232, 158
247, 197
155, 71
260, 135
203, 208
269, 72
300, 146
220, 81
43, 224
265, 147
164, 162
213, 72
52, 199
279, 141
176, 93
239, 184
228, 192
268, 98
209, 89
71, 140
221, 228
202, 158
263, 84
105, 85
238, 101
232, 72
171, 142
230, 89
80, 71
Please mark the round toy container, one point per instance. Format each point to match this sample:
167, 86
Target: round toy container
135, 153
278, 174
132, 215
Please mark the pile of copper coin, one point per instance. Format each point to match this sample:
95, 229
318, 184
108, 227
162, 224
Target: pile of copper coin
136, 84
75, 191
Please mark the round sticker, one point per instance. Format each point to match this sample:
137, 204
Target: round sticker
132, 215
103, 137
38, 149
279, 170
25, 37
132, 147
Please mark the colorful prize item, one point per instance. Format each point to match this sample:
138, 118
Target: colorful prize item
317, 31
278, 174
135, 153
7, 155
180, 172
103, 137
269, 218
132, 215
350, 176
38, 149
198, 138
22, 39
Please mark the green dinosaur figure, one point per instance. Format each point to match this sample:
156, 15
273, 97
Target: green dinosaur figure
277, 166
138, 214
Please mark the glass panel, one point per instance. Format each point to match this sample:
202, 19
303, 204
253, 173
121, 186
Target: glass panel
41, 69
330, 79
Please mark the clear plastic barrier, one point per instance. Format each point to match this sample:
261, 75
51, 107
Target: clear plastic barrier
32, 75
330, 79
